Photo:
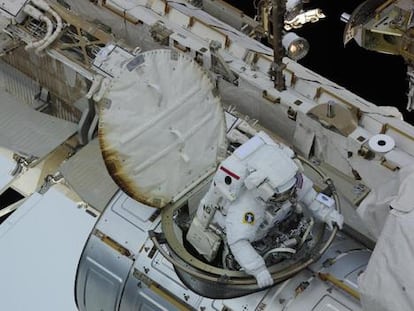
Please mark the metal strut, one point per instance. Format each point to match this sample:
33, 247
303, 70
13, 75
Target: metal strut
278, 20
410, 94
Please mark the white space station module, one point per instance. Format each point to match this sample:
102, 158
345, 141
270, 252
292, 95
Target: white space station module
154, 155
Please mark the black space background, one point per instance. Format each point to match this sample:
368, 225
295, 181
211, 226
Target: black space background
376, 77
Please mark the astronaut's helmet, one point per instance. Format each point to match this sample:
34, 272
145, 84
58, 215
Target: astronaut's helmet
230, 177
273, 174
284, 192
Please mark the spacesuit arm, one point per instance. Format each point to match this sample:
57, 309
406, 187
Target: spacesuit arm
251, 262
320, 205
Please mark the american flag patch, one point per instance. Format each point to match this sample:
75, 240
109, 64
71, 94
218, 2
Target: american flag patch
299, 181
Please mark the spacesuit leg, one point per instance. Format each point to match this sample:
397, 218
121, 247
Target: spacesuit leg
205, 241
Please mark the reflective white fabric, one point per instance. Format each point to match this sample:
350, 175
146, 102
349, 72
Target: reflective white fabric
161, 127
388, 282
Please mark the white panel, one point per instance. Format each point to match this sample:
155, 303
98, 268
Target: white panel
208, 33
330, 304
159, 6
41, 244
110, 59
264, 63
178, 18
12, 7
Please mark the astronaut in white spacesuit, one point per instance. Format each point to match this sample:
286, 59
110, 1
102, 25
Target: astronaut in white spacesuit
257, 171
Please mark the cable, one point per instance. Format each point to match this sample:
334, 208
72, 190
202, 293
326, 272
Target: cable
43, 5
38, 15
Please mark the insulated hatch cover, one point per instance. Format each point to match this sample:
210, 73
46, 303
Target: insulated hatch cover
161, 128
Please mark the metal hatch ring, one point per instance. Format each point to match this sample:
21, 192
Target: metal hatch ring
183, 261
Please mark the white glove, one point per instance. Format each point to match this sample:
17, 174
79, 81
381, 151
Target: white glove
323, 208
251, 262
333, 217
263, 278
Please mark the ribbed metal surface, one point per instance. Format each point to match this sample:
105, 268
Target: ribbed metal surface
61, 81
18, 84
62, 110
26, 89
87, 175
30, 132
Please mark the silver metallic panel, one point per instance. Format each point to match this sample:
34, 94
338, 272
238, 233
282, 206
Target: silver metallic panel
98, 278
109, 255
30, 132
87, 175
137, 296
101, 276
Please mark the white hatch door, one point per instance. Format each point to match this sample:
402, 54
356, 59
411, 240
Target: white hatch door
161, 129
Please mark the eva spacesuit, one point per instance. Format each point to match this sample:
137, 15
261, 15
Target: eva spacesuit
258, 171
